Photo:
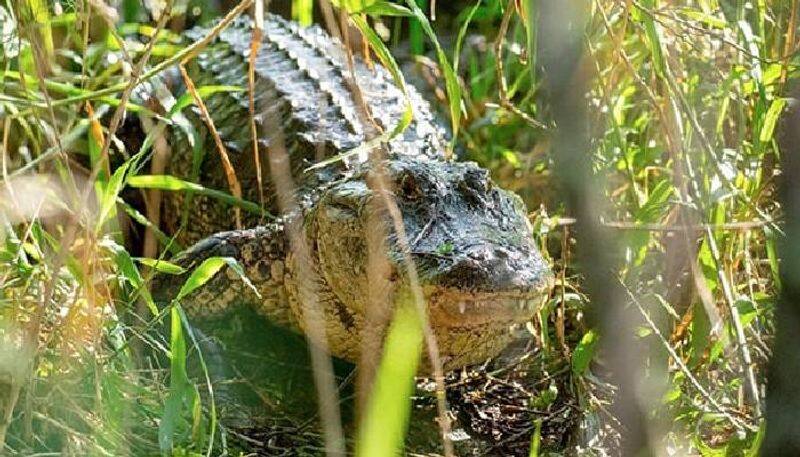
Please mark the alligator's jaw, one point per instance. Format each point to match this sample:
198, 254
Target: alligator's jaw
455, 308
472, 327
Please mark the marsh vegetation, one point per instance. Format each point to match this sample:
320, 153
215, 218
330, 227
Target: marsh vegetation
648, 140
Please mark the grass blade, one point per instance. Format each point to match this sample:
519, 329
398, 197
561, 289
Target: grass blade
167, 182
180, 388
536, 439
386, 419
451, 81
382, 8
771, 119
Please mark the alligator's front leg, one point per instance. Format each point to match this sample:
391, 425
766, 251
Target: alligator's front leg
253, 361
260, 251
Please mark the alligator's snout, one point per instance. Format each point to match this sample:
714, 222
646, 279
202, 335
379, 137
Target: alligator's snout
488, 283
487, 268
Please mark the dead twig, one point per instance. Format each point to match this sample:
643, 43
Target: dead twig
743, 226
313, 317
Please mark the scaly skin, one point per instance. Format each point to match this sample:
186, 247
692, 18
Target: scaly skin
471, 242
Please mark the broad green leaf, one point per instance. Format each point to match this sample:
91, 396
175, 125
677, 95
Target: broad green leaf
536, 438
545, 397
162, 266
674, 392
744, 445
180, 388
383, 8
109, 199
198, 432
708, 266
206, 270
709, 451
385, 421
544, 318
512, 158
40, 14
416, 38
755, 445
771, 119
383, 53
462, 33
204, 92
200, 276
303, 11
747, 311
772, 73
772, 255
167, 182
657, 202
582, 356
652, 34
131, 274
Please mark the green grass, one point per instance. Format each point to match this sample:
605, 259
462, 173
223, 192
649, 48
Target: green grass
685, 104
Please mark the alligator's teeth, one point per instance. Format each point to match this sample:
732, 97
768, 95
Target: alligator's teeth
462, 307
521, 304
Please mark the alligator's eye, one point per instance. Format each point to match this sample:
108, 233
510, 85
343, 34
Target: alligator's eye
409, 187
476, 186
346, 198
476, 180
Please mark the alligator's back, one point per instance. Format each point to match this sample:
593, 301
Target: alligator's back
301, 85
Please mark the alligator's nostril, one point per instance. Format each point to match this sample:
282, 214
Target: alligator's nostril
465, 272
466, 266
481, 254
488, 268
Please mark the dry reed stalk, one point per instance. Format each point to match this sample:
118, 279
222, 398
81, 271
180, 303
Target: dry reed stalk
255, 44
227, 166
563, 57
379, 312
748, 369
380, 186
158, 164
307, 280
419, 301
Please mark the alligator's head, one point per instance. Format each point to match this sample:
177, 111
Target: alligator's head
478, 266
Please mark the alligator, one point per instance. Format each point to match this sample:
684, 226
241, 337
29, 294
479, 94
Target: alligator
478, 267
